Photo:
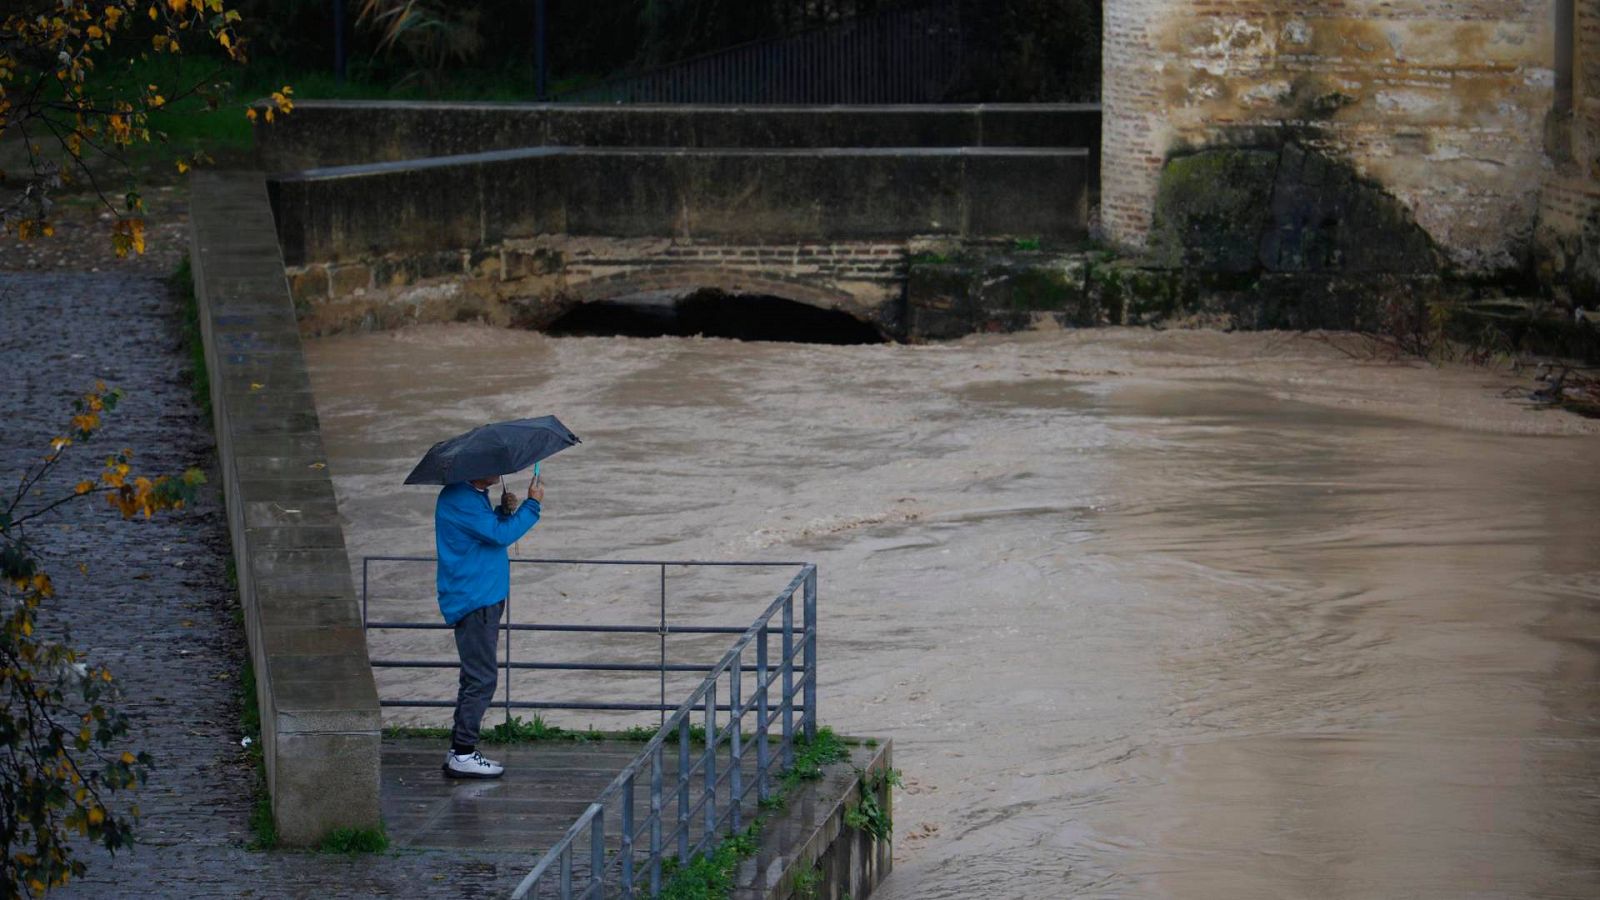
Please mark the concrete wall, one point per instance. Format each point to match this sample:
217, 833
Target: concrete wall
327, 215
807, 851
337, 133
1442, 104
320, 720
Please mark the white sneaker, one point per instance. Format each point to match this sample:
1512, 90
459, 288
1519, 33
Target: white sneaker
472, 765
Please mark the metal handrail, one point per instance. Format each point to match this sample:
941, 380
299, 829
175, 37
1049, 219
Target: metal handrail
661, 630
796, 713
702, 698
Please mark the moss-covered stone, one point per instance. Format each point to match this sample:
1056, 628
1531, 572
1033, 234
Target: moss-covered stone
1290, 209
1211, 210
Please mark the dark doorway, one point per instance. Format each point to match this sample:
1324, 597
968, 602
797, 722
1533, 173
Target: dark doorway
712, 313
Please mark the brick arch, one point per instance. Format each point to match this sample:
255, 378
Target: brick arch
680, 278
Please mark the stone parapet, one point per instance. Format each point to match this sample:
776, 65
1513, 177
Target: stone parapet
482, 200
320, 719
336, 133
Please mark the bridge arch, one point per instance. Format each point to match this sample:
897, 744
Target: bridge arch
718, 302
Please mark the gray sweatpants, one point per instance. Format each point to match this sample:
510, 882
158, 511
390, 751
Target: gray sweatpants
476, 643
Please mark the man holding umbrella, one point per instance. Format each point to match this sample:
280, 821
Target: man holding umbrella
474, 576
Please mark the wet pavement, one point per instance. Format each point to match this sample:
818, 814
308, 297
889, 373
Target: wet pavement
155, 607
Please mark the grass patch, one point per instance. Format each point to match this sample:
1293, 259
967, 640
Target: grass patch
198, 374
355, 840
709, 876
263, 828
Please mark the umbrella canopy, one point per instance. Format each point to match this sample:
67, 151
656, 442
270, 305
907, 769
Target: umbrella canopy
490, 450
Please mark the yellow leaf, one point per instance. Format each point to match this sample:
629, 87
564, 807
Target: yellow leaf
250, 114
182, 167
256, 385
85, 487
127, 758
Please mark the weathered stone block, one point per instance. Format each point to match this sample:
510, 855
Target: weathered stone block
349, 279
308, 284
324, 780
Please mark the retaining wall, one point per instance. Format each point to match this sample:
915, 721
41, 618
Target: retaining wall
337, 133
480, 200
807, 851
320, 720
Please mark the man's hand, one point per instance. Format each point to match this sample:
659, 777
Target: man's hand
536, 489
508, 502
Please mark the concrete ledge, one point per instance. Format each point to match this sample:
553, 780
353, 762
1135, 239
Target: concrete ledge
320, 720
810, 836
337, 133
327, 215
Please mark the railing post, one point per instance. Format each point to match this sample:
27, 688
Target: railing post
597, 851
656, 761
683, 790
627, 838
508, 661
566, 872
762, 723
810, 681
365, 564
710, 758
787, 668
663, 637
735, 750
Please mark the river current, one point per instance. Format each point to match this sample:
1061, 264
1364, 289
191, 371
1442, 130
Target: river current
1175, 614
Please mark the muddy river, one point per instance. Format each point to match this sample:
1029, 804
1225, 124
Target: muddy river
1146, 614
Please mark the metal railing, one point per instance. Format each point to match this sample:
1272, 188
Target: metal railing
692, 807
903, 55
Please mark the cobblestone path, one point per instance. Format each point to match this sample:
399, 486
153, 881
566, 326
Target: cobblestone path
155, 607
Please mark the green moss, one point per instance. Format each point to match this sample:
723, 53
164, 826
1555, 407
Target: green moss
709, 876
1043, 289
263, 827
198, 374
1212, 208
355, 840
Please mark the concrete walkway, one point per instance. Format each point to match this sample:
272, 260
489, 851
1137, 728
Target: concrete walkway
546, 787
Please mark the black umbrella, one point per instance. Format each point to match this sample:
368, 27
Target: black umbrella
490, 450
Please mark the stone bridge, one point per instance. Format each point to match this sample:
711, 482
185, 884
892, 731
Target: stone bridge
517, 225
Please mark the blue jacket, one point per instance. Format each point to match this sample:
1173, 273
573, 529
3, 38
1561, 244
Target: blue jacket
474, 569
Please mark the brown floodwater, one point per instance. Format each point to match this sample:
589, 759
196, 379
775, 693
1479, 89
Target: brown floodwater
1146, 614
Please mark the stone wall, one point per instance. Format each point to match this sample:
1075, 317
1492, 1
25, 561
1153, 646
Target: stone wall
1441, 104
320, 719
1568, 237
530, 282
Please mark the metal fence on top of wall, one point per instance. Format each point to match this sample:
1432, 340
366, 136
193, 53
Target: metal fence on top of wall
907, 55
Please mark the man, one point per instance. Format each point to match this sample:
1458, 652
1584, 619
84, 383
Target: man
474, 581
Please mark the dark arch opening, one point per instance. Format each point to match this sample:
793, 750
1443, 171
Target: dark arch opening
713, 313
